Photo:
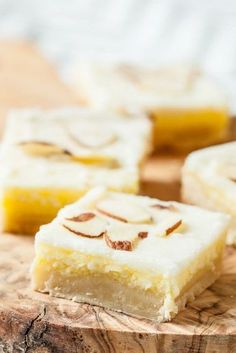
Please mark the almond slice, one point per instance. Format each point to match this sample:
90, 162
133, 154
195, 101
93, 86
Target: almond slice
100, 160
44, 149
83, 217
123, 237
93, 139
124, 211
143, 235
168, 226
173, 227
86, 224
118, 244
164, 207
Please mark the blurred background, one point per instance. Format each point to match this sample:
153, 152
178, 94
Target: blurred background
163, 31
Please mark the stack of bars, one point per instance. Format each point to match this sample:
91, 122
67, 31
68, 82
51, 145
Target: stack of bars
50, 159
188, 108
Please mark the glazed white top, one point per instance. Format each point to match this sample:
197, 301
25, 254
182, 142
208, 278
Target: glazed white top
123, 139
216, 166
122, 86
166, 254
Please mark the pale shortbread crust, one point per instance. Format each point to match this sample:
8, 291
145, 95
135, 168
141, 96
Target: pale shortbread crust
112, 294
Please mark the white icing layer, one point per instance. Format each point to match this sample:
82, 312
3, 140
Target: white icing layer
167, 255
123, 86
86, 135
216, 166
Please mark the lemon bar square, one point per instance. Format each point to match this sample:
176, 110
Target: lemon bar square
188, 108
133, 254
209, 180
51, 158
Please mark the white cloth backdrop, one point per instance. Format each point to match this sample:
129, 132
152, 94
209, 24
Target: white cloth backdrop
163, 31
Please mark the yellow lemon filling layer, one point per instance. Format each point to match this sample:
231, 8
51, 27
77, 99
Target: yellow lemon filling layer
186, 129
68, 262
24, 210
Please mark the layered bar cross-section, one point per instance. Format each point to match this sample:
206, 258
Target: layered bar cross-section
133, 254
188, 108
51, 158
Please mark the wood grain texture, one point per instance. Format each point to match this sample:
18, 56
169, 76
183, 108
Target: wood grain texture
36, 323
27, 79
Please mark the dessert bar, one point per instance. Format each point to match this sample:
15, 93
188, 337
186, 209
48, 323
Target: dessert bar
209, 180
133, 254
188, 109
51, 158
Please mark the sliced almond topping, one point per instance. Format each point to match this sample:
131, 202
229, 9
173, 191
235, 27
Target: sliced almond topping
94, 139
100, 160
171, 80
86, 225
174, 227
143, 235
123, 237
164, 207
118, 244
168, 226
124, 211
44, 149
84, 217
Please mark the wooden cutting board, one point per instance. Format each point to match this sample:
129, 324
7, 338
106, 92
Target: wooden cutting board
27, 79
33, 322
